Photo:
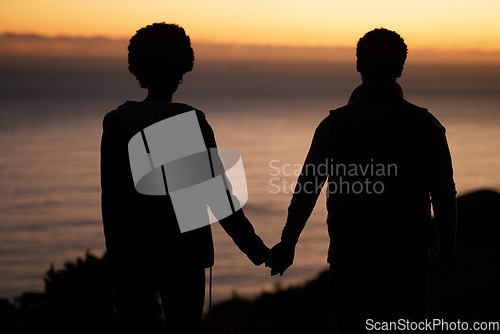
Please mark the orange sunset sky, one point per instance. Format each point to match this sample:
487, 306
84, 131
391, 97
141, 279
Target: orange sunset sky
424, 23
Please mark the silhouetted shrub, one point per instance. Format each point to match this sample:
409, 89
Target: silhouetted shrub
78, 299
300, 309
8, 317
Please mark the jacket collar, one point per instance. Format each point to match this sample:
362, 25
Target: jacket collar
376, 91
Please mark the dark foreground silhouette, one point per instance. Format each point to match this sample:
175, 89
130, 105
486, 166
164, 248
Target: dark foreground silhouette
77, 299
385, 161
146, 251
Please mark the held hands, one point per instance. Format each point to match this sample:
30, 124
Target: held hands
281, 258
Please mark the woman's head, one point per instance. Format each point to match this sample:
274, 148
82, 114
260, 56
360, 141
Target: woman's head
159, 55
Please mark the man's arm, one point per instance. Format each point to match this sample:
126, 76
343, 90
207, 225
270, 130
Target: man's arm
443, 196
307, 190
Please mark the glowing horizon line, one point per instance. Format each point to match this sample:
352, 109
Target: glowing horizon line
246, 44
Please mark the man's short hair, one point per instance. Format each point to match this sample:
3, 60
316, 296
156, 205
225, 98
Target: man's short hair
381, 55
160, 53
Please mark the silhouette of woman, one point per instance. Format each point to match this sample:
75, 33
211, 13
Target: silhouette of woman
146, 253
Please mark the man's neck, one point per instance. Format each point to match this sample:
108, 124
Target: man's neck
377, 83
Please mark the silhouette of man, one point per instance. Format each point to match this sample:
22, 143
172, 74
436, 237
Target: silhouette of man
386, 161
146, 253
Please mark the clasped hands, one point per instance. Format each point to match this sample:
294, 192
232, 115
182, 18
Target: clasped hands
280, 258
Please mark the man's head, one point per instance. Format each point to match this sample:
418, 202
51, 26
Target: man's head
159, 55
381, 55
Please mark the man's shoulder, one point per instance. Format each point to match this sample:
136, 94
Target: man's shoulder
409, 111
336, 116
423, 115
339, 112
332, 118
412, 107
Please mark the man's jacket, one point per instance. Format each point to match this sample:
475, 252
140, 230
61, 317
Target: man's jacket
384, 159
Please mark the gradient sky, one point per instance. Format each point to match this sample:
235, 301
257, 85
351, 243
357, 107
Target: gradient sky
423, 23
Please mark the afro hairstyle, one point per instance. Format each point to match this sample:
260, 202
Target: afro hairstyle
160, 53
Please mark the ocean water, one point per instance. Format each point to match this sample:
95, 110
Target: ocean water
50, 125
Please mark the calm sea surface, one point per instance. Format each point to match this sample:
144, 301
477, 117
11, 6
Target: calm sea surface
50, 126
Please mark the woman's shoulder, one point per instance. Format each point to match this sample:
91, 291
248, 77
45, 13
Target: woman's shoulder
133, 116
151, 112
